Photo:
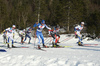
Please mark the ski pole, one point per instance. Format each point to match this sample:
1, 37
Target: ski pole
16, 39
35, 40
50, 40
47, 39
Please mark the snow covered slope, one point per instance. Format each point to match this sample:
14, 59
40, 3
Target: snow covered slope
70, 56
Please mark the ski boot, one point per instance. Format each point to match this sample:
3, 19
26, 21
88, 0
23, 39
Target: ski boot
13, 46
28, 42
58, 42
44, 46
57, 45
80, 43
22, 42
53, 44
39, 47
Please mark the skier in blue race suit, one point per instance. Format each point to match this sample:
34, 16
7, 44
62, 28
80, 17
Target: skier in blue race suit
39, 33
28, 32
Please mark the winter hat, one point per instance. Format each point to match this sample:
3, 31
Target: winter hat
82, 22
23, 29
14, 26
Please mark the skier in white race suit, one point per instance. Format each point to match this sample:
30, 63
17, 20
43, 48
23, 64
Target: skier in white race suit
77, 30
10, 35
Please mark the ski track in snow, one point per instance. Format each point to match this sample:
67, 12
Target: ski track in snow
71, 56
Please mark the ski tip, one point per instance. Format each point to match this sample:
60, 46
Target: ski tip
3, 50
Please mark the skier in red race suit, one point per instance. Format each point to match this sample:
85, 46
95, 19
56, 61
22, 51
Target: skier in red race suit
54, 33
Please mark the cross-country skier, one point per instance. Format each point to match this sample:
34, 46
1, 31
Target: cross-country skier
39, 33
22, 35
77, 30
55, 34
10, 32
28, 32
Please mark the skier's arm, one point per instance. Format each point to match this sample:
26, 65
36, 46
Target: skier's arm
7, 29
48, 27
13, 33
50, 32
3, 31
34, 26
76, 29
22, 33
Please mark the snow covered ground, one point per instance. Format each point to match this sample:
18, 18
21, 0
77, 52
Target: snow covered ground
70, 56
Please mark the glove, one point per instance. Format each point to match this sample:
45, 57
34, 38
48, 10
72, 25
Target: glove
49, 32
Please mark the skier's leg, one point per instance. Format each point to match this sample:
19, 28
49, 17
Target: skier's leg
53, 36
41, 36
21, 39
80, 40
56, 40
25, 37
4, 38
79, 36
29, 39
12, 39
38, 36
8, 42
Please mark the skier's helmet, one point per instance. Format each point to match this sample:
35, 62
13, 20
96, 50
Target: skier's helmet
43, 21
